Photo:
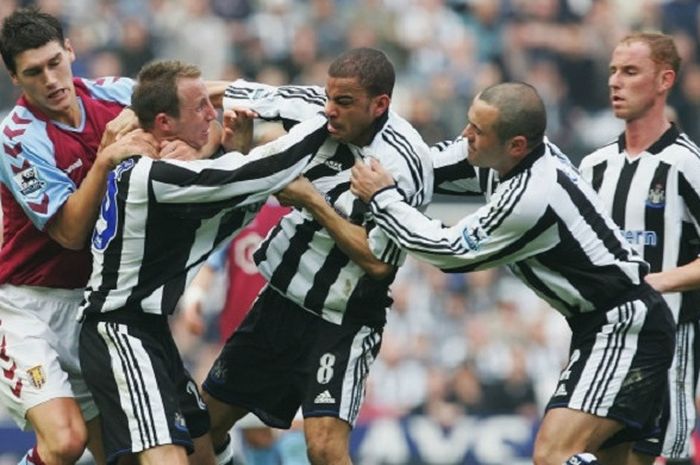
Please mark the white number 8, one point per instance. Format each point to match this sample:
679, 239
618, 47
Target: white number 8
325, 371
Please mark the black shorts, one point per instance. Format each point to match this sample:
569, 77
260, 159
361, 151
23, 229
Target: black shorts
674, 440
618, 365
144, 394
283, 357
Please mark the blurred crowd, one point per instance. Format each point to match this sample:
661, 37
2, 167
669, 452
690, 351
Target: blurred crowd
478, 343
444, 50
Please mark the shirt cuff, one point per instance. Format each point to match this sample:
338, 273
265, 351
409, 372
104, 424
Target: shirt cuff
385, 197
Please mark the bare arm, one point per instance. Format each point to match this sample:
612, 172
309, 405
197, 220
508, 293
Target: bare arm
216, 92
351, 238
74, 221
683, 278
193, 298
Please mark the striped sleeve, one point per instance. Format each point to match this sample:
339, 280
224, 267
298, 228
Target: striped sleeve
486, 238
287, 103
689, 180
115, 89
453, 173
28, 170
201, 188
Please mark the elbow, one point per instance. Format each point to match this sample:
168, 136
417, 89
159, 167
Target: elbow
71, 243
379, 270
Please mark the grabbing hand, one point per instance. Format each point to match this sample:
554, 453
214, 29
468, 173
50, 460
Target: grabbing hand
125, 122
367, 180
136, 142
297, 193
238, 130
177, 149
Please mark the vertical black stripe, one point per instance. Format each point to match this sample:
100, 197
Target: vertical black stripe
162, 231
324, 279
598, 175
484, 178
283, 275
138, 375
622, 188
621, 340
132, 373
690, 197
654, 215
593, 218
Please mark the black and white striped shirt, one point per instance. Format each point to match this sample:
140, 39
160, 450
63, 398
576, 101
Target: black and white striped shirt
160, 219
544, 221
453, 173
300, 259
655, 199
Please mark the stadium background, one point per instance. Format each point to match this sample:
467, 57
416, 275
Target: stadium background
468, 361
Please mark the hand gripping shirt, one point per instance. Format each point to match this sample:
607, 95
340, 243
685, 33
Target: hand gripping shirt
299, 258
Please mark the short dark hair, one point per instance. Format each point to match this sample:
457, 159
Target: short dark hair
370, 66
521, 111
26, 29
663, 48
156, 90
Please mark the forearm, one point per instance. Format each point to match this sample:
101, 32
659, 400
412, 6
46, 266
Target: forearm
216, 91
683, 278
72, 224
350, 238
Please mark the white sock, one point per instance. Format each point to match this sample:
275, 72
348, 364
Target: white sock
224, 456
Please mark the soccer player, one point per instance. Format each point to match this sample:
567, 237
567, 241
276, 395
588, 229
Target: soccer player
52, 177
315, 329
546, 223
649, 180
158, 222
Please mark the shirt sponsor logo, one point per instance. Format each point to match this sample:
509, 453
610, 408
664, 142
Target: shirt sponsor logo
28, 181
640, 237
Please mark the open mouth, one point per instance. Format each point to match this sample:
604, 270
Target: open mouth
57, 94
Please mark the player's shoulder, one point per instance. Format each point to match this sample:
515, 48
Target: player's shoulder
21, 131
110, 88
601, 154
684, 146
397, 136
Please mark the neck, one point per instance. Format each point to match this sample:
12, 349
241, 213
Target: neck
642, 132
71, 117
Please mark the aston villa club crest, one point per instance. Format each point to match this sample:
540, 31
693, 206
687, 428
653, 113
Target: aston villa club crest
656, 197
37, 376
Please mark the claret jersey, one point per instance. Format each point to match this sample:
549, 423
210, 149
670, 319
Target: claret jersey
42, 162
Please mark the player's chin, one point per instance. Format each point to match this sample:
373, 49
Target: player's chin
337, 136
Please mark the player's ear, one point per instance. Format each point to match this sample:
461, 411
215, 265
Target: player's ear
380, 104
163, 123
517, 146
668, 77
